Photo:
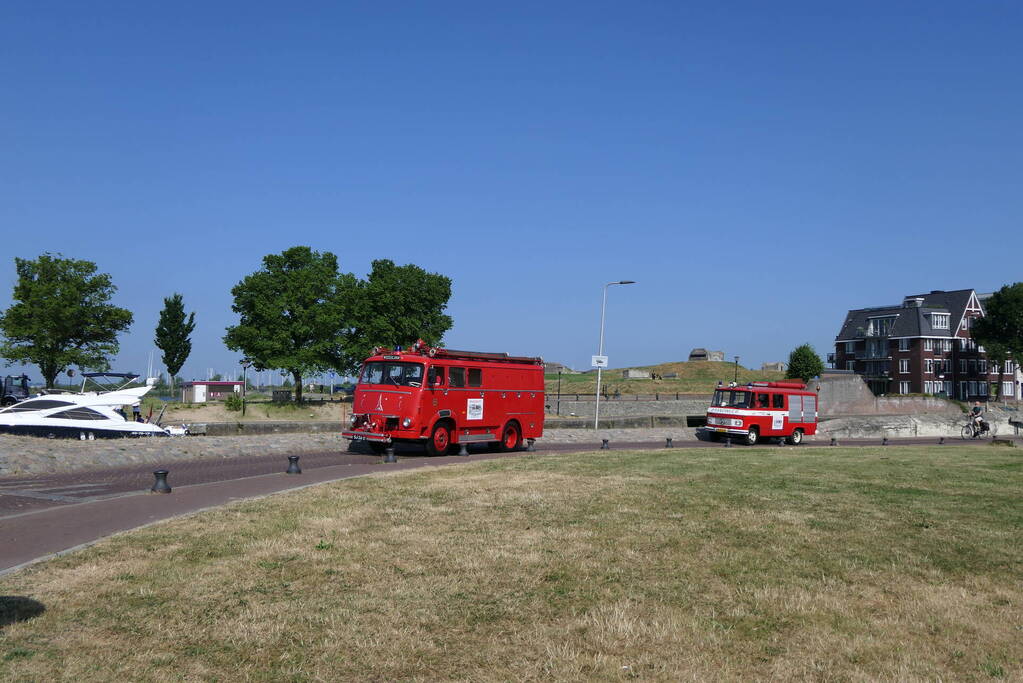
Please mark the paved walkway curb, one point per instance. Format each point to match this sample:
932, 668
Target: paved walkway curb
35, 536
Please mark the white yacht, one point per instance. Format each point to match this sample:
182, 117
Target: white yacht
84, 414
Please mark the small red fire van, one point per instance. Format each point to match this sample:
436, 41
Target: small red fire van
761, 410
440, 397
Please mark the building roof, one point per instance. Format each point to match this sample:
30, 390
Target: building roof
911, 320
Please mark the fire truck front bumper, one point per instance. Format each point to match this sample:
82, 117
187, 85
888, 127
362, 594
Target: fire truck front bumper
377, 437
725, 430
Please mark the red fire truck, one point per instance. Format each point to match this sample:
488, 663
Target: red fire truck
761, 410
440, 397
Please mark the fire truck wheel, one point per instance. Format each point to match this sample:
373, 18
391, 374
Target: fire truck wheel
439, 441
752, 436
377, 447
713, 436
796, 438
7, 401
511, 437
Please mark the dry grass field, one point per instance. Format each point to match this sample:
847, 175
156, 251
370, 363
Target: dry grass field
794, 564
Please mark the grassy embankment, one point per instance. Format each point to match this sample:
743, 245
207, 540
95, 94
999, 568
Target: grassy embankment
693, 378
828, 563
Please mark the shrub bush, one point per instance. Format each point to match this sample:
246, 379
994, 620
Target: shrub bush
233, 402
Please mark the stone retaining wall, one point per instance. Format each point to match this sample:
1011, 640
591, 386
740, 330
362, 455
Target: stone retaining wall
626, 407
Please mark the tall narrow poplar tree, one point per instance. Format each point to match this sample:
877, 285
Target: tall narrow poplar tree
173, 335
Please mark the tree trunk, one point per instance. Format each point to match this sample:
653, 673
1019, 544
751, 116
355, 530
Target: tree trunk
50, 373
298, 385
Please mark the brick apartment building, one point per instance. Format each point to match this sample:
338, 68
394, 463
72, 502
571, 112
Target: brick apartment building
922, 346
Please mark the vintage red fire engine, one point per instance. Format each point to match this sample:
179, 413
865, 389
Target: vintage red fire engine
440, 397
762, 410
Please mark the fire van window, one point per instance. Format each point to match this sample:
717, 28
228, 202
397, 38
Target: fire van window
457, 377
475, 377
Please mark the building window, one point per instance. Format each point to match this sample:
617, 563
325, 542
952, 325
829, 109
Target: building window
850, 365
939, 321
928, 344
850, 347
1007, 389
946, 345
928, 366
880, 327
962, 365
904, 366
903, 387
982, 386
1008, 366
903, 345
928, 387
983, 366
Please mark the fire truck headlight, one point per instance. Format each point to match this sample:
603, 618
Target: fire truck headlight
407, 422
353, 418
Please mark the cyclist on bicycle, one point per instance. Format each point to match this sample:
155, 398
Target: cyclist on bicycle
975, 416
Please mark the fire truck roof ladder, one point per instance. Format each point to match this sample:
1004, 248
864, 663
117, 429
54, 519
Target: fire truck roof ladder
482, 355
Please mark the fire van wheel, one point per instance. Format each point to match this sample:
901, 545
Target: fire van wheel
796, 438
752, 436
511, 437
439, 441
377, 447
8, 401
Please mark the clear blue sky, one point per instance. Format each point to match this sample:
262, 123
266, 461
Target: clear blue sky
759, 168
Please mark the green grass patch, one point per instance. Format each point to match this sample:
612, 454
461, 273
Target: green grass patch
693, 378
799, 563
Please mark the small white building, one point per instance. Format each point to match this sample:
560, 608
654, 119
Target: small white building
203, 391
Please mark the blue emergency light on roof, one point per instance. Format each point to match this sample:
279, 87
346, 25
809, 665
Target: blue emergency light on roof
397, 348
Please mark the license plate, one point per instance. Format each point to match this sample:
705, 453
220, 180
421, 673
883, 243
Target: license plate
358, 437
720, 429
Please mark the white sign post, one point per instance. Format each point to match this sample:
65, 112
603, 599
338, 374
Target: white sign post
598, 361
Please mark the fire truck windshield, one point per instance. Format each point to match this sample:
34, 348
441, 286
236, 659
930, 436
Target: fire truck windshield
727, 398
399, 374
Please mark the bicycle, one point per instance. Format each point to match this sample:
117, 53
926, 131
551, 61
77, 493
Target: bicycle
971, 430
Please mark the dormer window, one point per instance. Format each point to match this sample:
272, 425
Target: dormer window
939, 321
880, 327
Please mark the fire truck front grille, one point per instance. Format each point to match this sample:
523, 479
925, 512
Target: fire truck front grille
392, 423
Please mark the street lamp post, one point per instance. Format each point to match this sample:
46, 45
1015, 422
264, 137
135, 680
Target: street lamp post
558, 410
600, 352
735, 379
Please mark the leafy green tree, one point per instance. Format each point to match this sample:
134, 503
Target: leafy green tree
804, 363
1000, 331
61, 316
173, 332
292, 313
395, 306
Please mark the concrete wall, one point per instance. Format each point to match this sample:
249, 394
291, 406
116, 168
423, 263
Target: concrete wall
624, 407
849, 395
898, 426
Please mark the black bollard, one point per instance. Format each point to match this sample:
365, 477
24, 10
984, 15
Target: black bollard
781, 440
941, 441
529, 444
293, 467
667, 442
462, 450
389, 456
728, 442
160, 485
604, 446
884, 441
834, 441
